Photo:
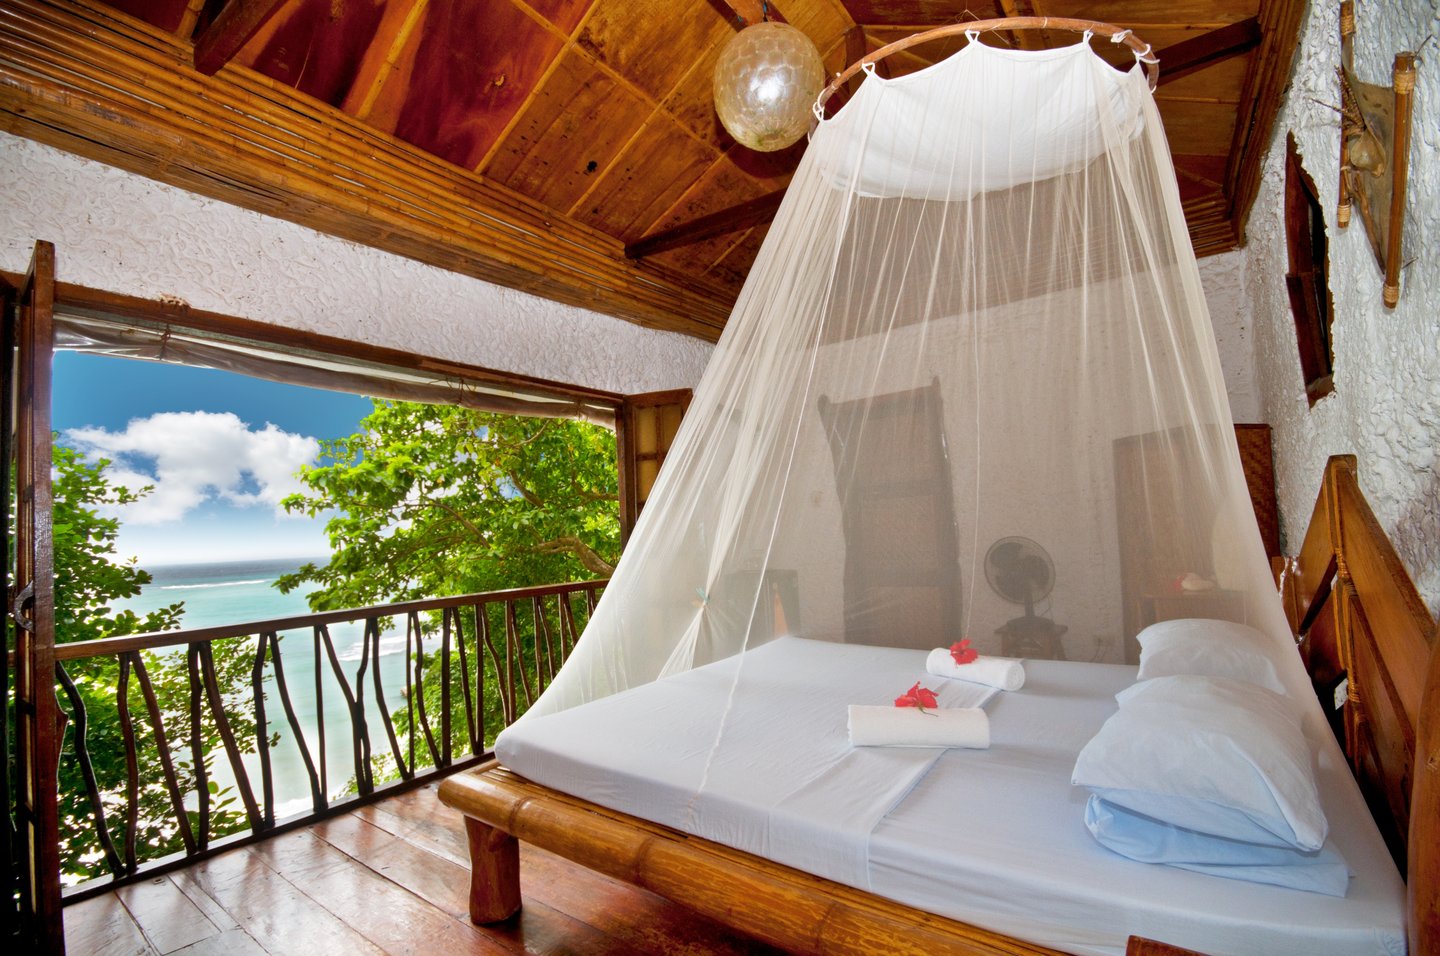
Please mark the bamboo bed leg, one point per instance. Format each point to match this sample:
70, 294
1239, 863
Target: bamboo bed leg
494, 873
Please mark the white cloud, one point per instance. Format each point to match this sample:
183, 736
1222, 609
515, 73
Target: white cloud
194, 457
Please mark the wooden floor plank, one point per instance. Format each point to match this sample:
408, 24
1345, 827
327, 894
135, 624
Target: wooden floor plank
642, 921
445, 885
213, 911
420, 818
103, 925
167, 917
639, 920
232, 942
392, 918
275, 912
388, 878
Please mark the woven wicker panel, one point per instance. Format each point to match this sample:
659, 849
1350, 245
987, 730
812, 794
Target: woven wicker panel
1255, 456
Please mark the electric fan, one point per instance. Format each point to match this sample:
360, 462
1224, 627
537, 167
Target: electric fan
1021, 572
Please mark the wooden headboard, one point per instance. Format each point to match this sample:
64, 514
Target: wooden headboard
1362, 622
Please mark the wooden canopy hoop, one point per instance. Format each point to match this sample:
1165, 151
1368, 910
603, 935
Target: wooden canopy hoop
1143, 51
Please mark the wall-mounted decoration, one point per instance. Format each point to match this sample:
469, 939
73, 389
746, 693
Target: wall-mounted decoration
1375, 152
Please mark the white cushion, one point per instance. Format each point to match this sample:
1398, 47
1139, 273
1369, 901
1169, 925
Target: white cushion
1217, 756
1212, 649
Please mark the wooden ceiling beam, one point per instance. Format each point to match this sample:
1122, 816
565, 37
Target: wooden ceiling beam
77, 77
1026, 39
748, 12
232, 29
1264, 91
1207, 49
1177, 60
753, 212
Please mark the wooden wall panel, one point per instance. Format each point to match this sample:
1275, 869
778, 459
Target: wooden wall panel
306, 46
1201, 13
692, 101
93, 83
914, 11
1198, 127
468, 71
165, 14
653, 171
565, 14
629, 35
569, 133
1258, 463
741, 256
1220, 82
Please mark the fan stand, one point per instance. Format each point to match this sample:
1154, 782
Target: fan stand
1032, 636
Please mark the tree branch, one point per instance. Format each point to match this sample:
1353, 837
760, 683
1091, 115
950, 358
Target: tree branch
585, 554
525, 493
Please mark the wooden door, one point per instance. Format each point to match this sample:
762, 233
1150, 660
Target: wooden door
645, 427
31, 618
902, 551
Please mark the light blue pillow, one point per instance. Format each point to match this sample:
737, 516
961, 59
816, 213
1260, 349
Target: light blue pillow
1152, 841
1212, 755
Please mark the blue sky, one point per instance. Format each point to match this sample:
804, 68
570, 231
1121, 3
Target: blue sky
219, 448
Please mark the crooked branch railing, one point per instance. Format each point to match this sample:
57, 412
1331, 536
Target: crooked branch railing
495, 652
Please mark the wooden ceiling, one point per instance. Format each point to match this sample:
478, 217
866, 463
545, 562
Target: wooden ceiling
535, 142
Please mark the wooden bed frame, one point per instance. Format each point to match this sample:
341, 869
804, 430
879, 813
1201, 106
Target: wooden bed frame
1347, 575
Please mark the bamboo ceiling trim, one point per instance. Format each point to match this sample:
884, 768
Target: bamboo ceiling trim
575, 127
75, 76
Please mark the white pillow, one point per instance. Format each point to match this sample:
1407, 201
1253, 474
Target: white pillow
1221, 757
1212, 649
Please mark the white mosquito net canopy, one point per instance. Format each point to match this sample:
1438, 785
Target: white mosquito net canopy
970, 389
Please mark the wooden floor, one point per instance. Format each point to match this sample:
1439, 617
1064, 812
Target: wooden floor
388, 878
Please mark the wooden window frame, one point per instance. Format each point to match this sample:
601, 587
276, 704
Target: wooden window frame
1307, 280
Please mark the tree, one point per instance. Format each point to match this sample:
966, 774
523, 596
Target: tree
434, 500
88, 581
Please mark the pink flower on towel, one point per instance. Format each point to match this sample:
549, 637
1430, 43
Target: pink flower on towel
917, 696
963, 652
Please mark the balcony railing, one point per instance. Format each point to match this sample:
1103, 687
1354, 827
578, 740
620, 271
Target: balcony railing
469, 666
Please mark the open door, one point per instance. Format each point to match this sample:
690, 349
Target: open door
645, 427
902, 548
30, 618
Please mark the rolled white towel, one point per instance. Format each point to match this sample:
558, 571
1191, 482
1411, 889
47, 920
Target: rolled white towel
1005, 673
880, 726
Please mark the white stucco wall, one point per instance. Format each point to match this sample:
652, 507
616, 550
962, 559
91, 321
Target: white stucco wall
1386, 405
123, 233
1223, 279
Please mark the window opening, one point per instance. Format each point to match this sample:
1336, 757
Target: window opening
1308, 280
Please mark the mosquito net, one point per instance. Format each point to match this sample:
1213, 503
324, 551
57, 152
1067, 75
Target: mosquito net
970, 388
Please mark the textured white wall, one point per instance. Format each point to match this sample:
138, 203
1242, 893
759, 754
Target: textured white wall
1222, 278
123, 233
1386, 405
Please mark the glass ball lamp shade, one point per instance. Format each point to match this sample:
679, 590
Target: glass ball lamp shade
766, 79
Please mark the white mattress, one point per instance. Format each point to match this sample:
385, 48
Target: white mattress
995, 837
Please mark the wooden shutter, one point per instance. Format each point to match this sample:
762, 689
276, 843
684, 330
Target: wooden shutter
30, 620
645, 428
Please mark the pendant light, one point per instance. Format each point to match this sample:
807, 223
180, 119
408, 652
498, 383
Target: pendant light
765, 81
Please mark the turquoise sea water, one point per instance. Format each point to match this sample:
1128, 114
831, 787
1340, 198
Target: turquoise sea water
240, 591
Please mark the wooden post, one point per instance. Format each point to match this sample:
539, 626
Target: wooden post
494, 872
1404, 78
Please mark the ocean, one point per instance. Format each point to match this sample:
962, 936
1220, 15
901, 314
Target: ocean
235, 592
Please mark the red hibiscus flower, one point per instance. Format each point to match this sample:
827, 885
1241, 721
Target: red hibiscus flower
917, 696
963, 652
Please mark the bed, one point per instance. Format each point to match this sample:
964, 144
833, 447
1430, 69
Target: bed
936, 867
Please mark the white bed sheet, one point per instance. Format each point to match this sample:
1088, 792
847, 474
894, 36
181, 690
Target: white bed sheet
995, 837
784, 782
